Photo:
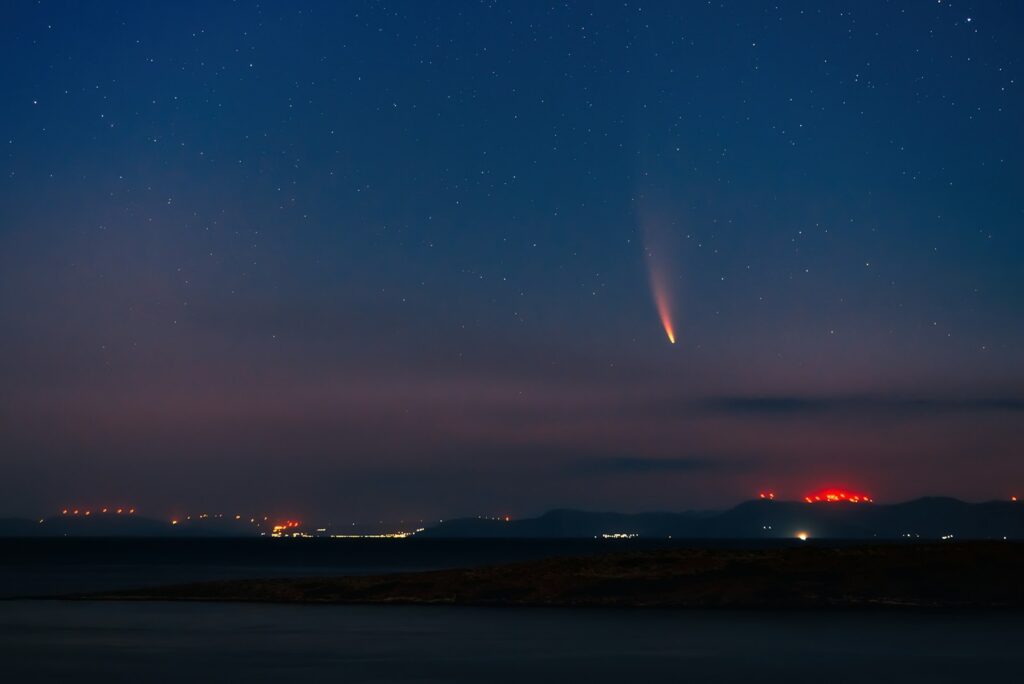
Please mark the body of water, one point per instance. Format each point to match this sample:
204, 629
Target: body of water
81, 641
87, 641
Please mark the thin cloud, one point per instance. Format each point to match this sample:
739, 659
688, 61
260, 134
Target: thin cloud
860, 405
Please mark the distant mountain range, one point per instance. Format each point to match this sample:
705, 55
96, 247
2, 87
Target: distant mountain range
120, 526
926, 518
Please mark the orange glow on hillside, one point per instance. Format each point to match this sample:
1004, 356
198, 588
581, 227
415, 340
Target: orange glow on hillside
770, 496
837, 495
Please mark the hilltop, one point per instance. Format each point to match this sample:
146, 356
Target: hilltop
928, 518
925, 518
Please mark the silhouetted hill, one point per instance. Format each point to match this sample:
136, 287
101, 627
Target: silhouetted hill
926, 518
112, 525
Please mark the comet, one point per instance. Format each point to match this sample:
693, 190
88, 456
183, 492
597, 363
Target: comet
660, 240
663, 303
656, 244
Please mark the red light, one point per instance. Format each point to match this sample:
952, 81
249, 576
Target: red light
837, 495
770, 496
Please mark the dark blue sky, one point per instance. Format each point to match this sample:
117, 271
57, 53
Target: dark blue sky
391, 259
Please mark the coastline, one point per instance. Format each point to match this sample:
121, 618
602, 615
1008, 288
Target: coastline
962, 575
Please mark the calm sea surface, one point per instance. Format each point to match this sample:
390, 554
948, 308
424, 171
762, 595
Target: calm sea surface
65, 641
84, 641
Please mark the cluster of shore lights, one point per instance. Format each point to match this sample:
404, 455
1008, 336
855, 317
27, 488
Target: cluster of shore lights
401, 534
837, 495
98, 511
286, 527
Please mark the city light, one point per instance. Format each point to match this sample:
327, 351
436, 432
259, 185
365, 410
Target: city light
401, 534
281, 529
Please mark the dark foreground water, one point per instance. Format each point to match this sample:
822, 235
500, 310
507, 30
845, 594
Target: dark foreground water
150, 642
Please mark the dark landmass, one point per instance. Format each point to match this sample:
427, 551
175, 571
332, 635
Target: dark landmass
113, 525
58, 566
946, 575
926, 518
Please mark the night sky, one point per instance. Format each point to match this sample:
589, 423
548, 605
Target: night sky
392, 260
